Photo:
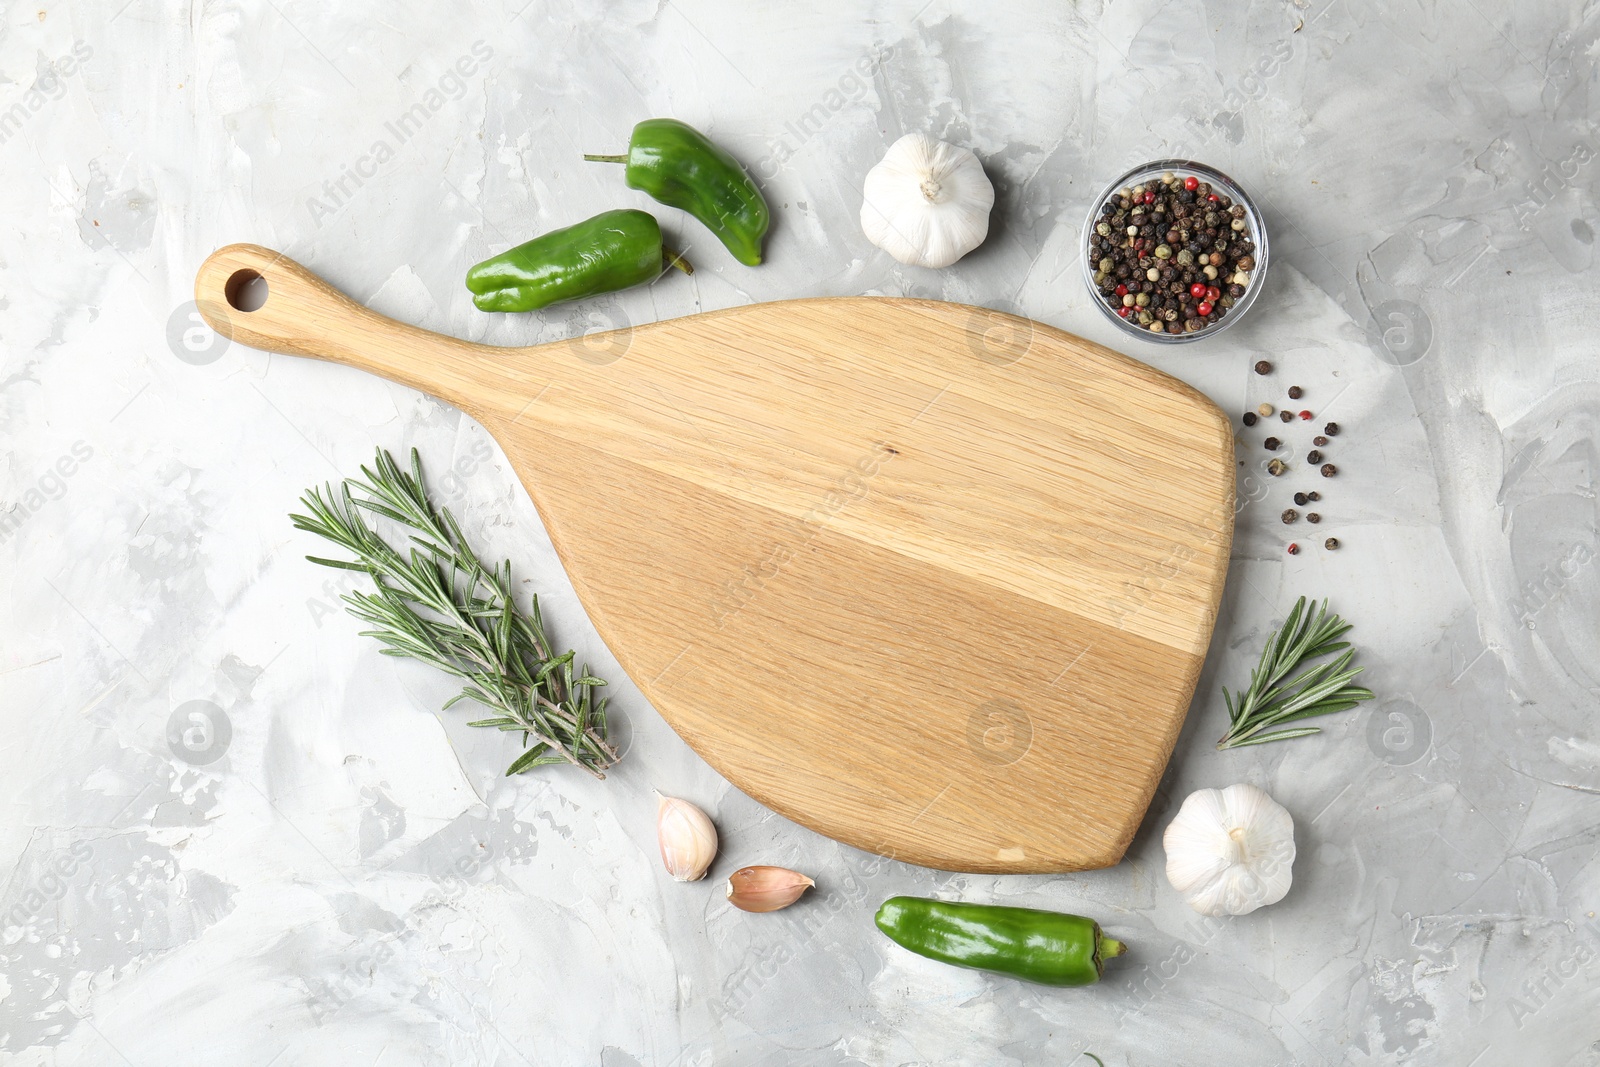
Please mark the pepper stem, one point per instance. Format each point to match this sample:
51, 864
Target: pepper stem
606, 159
1111, 948
673, 258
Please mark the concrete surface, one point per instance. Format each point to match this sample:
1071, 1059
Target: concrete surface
231, 832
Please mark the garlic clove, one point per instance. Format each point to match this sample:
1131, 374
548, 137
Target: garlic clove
766, 888
687, 838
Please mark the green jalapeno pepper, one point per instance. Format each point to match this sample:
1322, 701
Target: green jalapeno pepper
1048, 947
679, 166
614, 250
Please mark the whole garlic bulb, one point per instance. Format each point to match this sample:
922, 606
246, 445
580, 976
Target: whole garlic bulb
687, 838
1229, 851
927, 202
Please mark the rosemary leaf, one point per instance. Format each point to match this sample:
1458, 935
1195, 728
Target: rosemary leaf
1321, 689
534, 757
337, 563
1282, 735
438, 603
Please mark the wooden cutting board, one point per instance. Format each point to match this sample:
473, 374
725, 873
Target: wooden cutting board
932, 580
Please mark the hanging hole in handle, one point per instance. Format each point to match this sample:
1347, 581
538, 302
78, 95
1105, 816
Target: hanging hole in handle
246, 290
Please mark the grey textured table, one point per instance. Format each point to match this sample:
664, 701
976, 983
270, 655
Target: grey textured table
231, 832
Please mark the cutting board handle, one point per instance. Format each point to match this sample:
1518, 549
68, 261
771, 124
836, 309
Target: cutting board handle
305, 316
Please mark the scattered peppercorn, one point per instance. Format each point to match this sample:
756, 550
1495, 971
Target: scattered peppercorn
1174, 245
1319, 440
1295, 392
1312, 516
1263, 367
1264, 410
1294, 549
1313, 457
1286, 415
1289, 515
1313, 496
1249, 418
1301, 499
1271, 444
1331, 543
1332, 429
1277, 467
1306, 415
1329, 470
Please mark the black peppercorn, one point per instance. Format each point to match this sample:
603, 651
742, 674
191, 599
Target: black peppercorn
1319, 440
1289, 515
1277, 467
1301, 499
1329, 470
1249, 416
1271, 444
1313, 457
1312, 516
1331, 543
1313, 496
1332, 429
1295, 392
1263, 367
1286, 416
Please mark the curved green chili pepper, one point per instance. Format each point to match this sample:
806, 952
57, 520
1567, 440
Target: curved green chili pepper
679, 166
1049, 947
614, 250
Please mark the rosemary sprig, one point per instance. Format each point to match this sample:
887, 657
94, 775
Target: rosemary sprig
439, 604
1322, 690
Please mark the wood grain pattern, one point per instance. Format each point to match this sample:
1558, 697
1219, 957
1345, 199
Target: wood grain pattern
932, 580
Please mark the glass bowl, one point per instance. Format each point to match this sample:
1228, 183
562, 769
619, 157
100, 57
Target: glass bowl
1219, 182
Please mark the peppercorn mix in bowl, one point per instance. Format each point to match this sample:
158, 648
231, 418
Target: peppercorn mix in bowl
1174, 251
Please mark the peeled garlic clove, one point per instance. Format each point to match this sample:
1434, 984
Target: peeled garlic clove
766, 888
688, 840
